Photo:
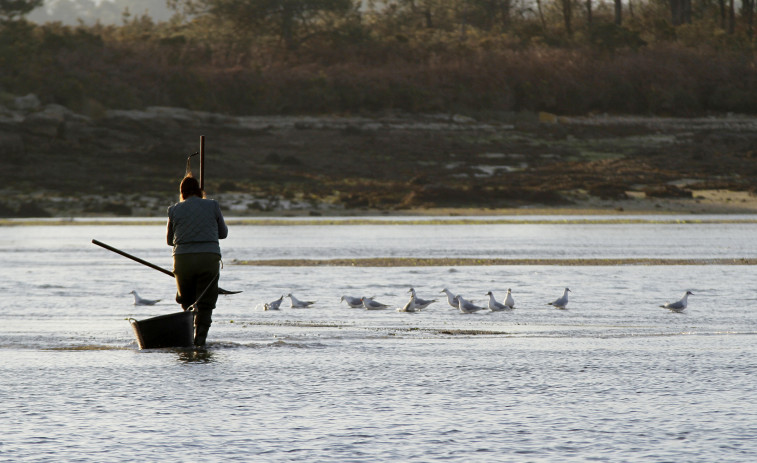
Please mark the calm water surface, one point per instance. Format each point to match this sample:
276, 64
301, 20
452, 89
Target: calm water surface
613, 378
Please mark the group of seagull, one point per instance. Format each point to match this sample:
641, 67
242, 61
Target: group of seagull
465, 306
416, 304
296, 303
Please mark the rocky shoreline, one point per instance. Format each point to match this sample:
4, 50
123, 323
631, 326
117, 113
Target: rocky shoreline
58, 163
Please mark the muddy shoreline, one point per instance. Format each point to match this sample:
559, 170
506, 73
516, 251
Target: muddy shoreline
464, 262
128, 164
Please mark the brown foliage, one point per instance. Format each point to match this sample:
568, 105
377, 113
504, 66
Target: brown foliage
74, 66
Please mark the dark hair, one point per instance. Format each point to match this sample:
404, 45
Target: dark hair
190, 187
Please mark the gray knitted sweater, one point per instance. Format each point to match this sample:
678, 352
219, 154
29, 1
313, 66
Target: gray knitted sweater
195, 225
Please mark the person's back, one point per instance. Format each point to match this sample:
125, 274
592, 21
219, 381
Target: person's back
197, 226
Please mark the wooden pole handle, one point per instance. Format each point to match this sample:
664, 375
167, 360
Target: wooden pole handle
134, 258
202, 162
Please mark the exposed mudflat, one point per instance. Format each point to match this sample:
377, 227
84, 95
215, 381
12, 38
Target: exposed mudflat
129, 163
456, 262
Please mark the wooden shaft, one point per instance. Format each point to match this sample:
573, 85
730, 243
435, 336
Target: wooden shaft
151, 265
202, 162
134, 258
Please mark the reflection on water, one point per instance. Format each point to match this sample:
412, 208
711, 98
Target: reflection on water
196, 355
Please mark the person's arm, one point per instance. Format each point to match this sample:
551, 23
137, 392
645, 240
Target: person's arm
223, 230
169, 230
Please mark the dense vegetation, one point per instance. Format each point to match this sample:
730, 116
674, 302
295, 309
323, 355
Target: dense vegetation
477, 57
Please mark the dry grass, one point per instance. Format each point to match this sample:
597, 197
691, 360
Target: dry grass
66, 66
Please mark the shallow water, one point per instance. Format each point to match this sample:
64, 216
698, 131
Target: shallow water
613, 378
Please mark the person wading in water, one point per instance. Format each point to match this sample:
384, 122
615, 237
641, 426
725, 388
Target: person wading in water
195, 225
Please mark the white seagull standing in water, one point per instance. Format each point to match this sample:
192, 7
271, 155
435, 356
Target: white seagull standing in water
141, 301
509, 301
273, 305
451, 298
353, 302
562, 301
411, 306
370, 304
678, 306
298, 304
466, 306
495, 306
420, 303
415, 304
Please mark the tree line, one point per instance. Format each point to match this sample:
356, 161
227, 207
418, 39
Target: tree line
559, 22
680, 57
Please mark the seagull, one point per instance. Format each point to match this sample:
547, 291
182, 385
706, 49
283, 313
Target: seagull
466, 306
451, 298
678, 306
273, 305
353, 302
298, 304
420, 303
562, 301
370, 304
495, 306
415, 304
411, 306
141, 301
509, 301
